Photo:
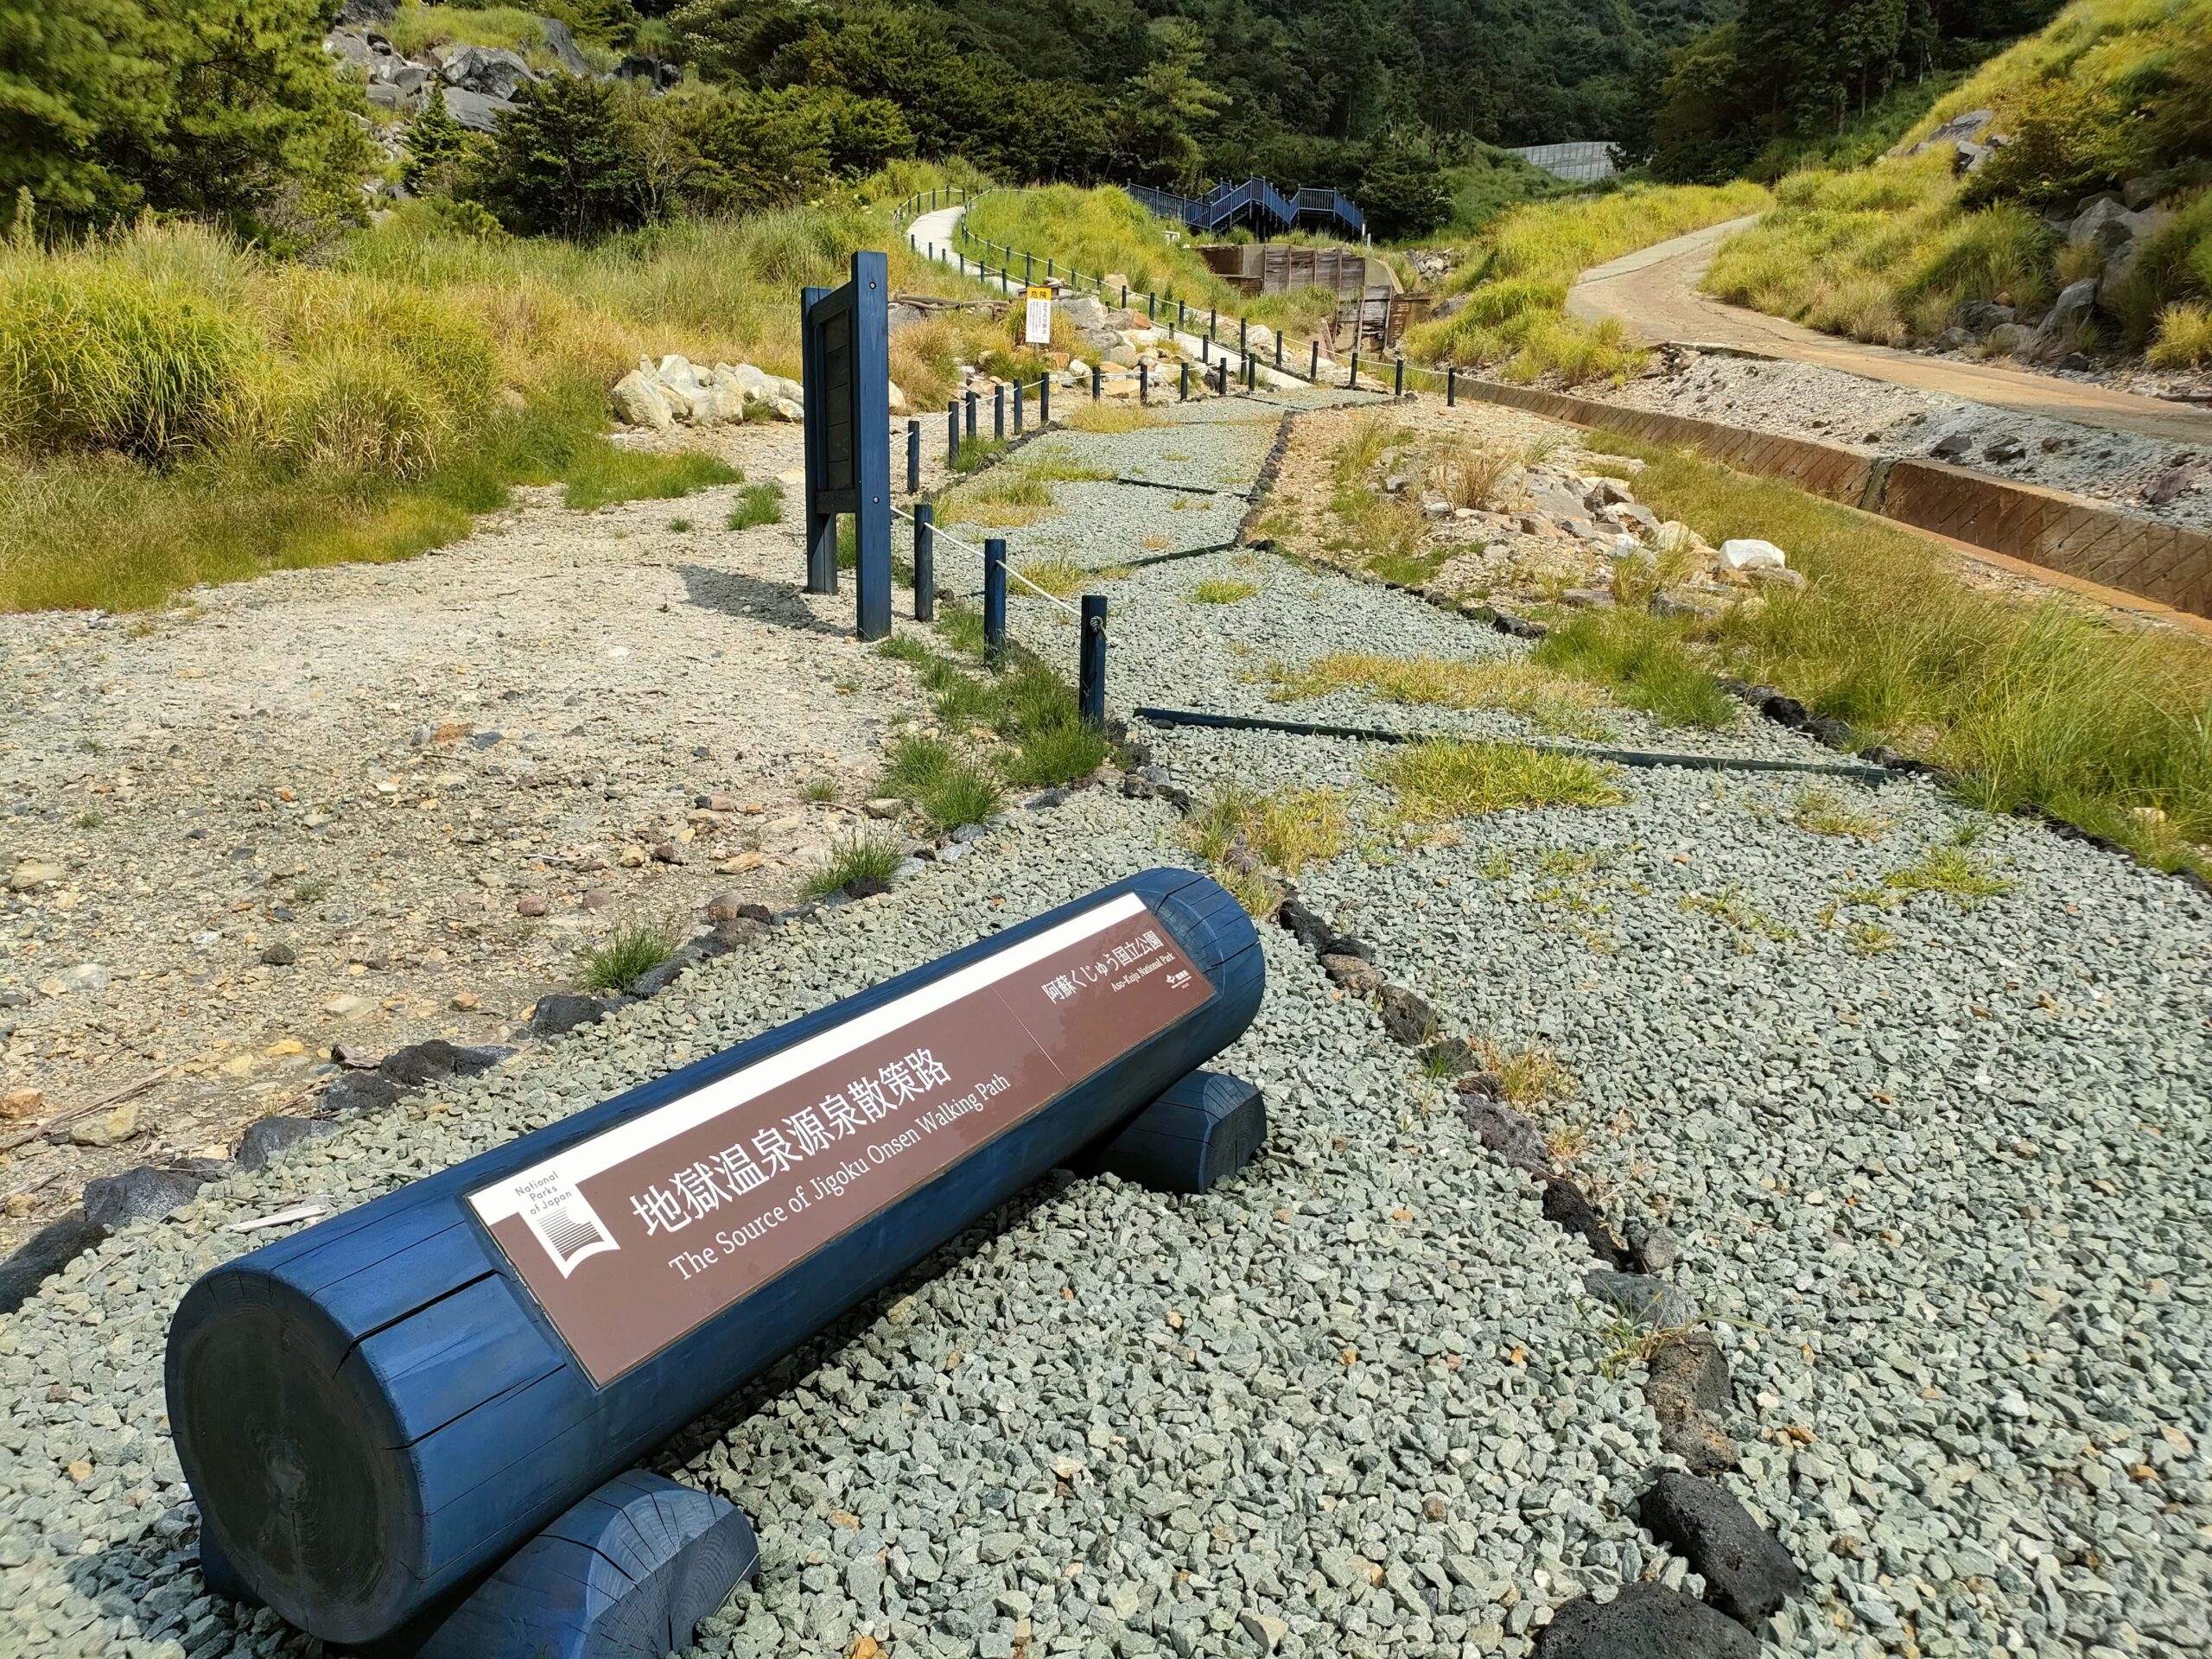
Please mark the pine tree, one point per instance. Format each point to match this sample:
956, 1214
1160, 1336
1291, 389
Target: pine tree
437, 145
75, 77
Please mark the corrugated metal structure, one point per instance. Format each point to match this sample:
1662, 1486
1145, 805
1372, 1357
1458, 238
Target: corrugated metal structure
1585, 161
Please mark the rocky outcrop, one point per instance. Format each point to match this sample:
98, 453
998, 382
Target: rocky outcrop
659, 395
492, 70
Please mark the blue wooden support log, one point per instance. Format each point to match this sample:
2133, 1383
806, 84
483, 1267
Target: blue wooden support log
1202, 1131
376, 1413
626, 1573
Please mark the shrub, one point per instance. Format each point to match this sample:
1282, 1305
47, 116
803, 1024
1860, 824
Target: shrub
862, 857
95, 358
2184, 338
636, 946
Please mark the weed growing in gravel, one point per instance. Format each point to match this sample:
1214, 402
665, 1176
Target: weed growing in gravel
1113, 417
637, 946
88, 820
1552, 702
1824, 812
999, 500
1526, 1076
1947, 870
311, 891
1057, 576
862, 855
1362, 447
1730, 907
950, 789
1628, 1343
1260, 896
1289, 830
1466, 475
1644, 660
1221, 590
758, 504
1871, 939
1057, 466
1414, 569
819, 790
1447, 778
975, 452
1027, 705
679, 525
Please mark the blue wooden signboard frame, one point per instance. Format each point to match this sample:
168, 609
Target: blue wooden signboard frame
845, 357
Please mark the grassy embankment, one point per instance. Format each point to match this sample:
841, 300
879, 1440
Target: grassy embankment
1514, 279
1103, 230
2040, 705
176, 409
2111, 91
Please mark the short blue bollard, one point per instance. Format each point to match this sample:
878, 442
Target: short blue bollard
1144, 383
951, 431
925, 563
1017, 408
998, 412
1098, 382
1044, 398
1313, 368
913, 457
1352, 378
1091, 663
1398, 380
971, 411
1183, 385
1450, 387
995, 600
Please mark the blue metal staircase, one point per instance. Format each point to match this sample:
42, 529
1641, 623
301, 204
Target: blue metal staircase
1256, 204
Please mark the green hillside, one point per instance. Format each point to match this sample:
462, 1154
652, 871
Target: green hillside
2076, 217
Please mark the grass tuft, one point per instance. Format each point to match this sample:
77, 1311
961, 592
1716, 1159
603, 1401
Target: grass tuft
605, 474
863, 854
636, 946
758, 504
1113, 417
1824, 812
1288, 830
1003, 500
1447, 778
1551, 701
1646, 662
1221, 590
1057, 576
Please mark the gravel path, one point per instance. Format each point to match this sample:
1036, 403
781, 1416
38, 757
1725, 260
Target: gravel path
1941, 1194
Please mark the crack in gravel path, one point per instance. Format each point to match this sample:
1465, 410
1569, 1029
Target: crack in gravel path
1945, 1201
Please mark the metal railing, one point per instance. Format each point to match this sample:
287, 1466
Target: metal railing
1225, 204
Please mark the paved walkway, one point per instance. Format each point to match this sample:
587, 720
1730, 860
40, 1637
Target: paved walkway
1655, 291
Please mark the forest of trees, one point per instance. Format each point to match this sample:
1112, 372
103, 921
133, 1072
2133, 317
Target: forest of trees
229, 110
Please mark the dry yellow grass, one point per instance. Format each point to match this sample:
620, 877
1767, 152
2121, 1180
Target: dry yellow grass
1552, 702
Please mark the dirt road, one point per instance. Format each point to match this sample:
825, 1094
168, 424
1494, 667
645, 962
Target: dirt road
1655, 292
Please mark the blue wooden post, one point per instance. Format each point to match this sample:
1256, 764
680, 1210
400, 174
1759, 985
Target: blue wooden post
1205, 349
1398, 380
1182, 314
971, 411
998, 412
1352, 379
925, 563
377, 1412
1144, 382
1183, 385
1313, 368
951, 430
1090, 673
1278, 353
1028, 270
995, 599
1151, 307
1048, 269
1097, 378
1450, 387
870, 415
1044, 398
913, 457
1243, 332
1125, 296
1017, 408
1213, 321
820, 524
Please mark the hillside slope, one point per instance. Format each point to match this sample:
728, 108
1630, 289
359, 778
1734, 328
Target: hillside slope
2055, 207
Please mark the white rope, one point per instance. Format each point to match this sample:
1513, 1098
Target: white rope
943, 534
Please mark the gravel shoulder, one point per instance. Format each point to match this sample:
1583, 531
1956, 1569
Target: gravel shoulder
377, 803
2161, 478
1940, 1195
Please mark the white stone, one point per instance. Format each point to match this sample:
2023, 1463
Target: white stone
639, 402
788, 409
1748, 553
898, 406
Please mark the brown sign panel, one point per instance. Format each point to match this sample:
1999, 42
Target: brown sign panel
640, 1235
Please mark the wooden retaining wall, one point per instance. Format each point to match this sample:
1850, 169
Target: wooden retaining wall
2064, 533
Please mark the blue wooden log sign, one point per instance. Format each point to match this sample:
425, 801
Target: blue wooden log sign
373, 1414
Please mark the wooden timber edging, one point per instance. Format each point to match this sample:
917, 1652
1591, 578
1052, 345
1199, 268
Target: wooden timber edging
2066, 534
